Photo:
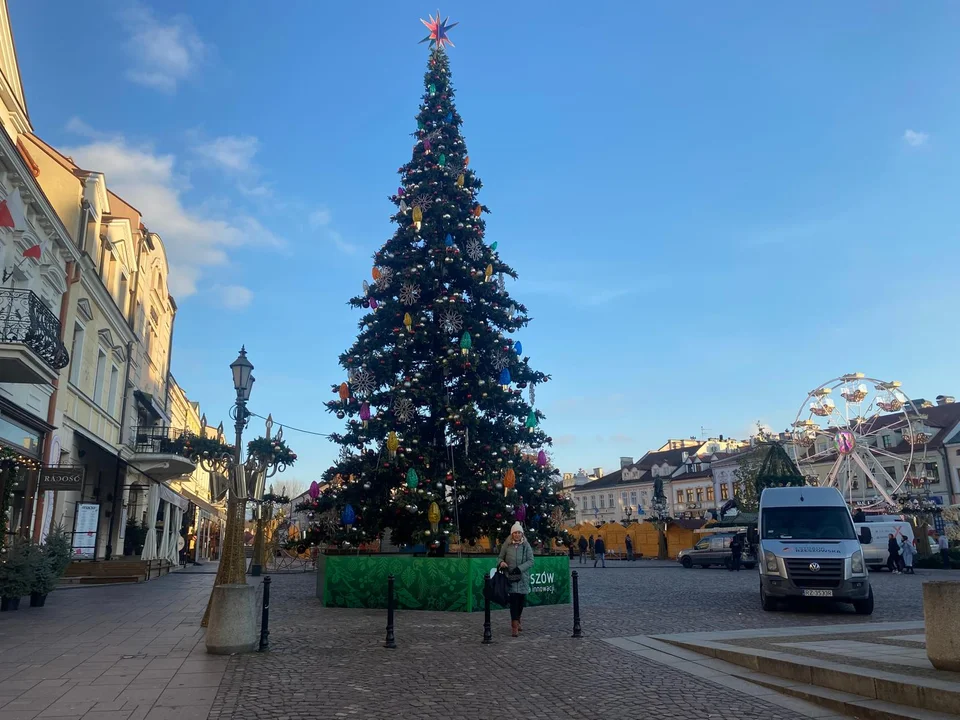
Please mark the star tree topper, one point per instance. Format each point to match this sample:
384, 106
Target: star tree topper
438, 30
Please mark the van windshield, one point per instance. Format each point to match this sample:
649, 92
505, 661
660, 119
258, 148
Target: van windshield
807, 523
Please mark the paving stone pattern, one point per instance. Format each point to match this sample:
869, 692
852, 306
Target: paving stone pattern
135, 652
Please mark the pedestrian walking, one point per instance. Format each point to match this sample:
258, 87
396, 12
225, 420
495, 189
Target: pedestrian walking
908, 551
944, 546
516, 557
629, 543
736, 552
582, 546
893, 557
600, 552
590, 544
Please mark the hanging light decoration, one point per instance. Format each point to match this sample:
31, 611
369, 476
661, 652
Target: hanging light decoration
365, 413
505, 379
344, 392
541, 459
348, 516
466, 342
532, 421
412, 478
392, 444
433, 515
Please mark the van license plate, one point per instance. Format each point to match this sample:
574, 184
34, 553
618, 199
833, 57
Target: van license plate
818, 593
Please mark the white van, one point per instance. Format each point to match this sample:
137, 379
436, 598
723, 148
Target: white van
875, 552
810, 549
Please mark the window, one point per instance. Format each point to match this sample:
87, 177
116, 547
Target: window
679, 496
112, 397
101, 373
933, 472
610, 498
702, 545
808, 523
724, 492
690, 495
699, 494
633, 497
601, 502
887, 440
892, 472
710, 494
593, 501
123, 293
76, 353
623, 497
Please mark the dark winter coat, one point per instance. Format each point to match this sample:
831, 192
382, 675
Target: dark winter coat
598, 547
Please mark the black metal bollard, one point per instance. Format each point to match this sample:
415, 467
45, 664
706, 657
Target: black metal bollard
265, 617
487, 628
577, 632
391, 641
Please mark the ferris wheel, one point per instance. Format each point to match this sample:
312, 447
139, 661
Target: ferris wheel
862, 436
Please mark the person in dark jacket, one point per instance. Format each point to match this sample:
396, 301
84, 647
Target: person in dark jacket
736, 552
629, 544
582, 546
599, 550
893, 560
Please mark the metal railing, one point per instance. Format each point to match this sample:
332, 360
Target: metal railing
25, 319
161, 439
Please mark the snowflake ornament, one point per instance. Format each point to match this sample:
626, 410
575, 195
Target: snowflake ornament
386, 276
362, 382
403, 408
474, 250
501, 283
501, 360
422, 201
409, 293
451, 322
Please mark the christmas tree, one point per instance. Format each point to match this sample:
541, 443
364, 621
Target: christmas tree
439, 440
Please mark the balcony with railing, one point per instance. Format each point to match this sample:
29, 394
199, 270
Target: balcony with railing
30, 347
162, 452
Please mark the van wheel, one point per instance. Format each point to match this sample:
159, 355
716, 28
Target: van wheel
687, 563
864, 607
768, 603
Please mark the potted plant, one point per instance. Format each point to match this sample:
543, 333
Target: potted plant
58, 551
15, 575
42, 577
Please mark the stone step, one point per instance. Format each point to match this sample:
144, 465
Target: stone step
846, 703
915, 692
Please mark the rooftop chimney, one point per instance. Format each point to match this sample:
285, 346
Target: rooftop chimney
598, 472
625, 462
945, 399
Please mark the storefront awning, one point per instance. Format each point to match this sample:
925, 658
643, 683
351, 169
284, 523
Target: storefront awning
201, 503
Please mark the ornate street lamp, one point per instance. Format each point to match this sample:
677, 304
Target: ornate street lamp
247, 478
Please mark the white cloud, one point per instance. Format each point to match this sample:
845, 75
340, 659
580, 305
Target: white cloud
163, 53
231, 152
337, 239
915, 138
319, 217
234, 297
195, 238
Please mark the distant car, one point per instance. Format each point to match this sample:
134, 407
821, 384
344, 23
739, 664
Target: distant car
715, 550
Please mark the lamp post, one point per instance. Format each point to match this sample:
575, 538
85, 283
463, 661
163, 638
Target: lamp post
247, 477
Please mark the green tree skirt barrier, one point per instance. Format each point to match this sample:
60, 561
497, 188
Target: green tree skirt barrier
448, 584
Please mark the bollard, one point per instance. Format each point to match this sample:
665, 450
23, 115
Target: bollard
390, 642
577, 632
265, 617
487, 629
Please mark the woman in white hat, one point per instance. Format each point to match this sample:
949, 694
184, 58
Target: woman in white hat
516, 558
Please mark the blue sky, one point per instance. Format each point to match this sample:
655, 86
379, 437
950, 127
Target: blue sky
712, 208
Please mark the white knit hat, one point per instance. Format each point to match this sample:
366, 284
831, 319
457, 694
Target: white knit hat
517, 527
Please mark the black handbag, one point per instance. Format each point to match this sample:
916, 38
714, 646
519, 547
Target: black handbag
499, 589
514, 575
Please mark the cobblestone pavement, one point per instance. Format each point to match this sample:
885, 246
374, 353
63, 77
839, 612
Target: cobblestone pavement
134, 652
330, 663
